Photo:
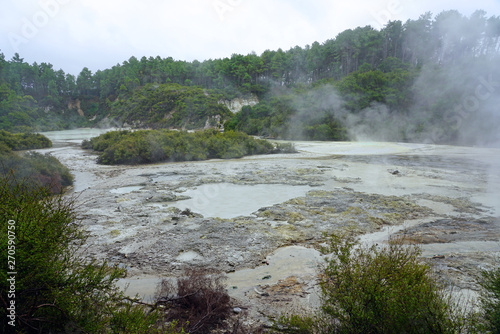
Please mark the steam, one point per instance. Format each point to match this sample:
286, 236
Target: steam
456, 97
377, 124
456, 105
472, 119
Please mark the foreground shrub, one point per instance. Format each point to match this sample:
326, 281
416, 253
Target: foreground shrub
378, 289
383, 289
198, 300
56, 290
490, 300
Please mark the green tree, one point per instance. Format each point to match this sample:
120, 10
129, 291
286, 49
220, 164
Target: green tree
85, 82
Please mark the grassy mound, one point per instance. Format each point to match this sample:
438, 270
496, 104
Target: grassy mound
149, 146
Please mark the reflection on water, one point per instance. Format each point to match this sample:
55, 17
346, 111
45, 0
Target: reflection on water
227, 200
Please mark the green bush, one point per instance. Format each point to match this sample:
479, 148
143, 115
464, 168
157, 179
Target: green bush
149, 146
378, 289
24, 141
42, 169
56, 289
383, 289
490, 300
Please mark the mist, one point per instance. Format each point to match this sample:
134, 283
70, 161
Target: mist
455, 96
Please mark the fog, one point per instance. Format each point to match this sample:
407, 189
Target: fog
453, 99
450, 108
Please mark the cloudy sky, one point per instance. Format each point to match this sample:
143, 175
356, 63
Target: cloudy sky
72, 34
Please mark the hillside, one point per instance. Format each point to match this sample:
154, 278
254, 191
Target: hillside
430, 79
171, 106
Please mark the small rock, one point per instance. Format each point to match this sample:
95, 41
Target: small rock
438, 257
260, 293
267, 277
237, 310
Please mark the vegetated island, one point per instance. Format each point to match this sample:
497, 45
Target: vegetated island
150, 146
22, 141
42, 169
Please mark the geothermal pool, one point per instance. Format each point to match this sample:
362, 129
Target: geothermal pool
275, 208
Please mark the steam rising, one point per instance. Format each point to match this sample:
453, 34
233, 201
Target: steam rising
456, 96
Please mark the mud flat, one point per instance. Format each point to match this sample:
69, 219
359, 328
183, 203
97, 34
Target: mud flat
261, 219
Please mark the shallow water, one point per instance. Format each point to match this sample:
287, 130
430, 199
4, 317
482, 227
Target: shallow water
75, 136
279, 264
369, 162
446, 171
356, 148
227, 200
450, 171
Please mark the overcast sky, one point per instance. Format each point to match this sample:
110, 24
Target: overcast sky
72, 34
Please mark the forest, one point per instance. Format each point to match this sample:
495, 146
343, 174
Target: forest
409, 81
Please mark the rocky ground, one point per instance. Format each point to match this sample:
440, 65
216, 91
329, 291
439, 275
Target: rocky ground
444, 198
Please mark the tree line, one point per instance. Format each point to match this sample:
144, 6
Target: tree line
367, 65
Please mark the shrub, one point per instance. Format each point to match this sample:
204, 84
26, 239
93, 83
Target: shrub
42, 169
149, 146
490, 300
56, 290
24, 141
378, 289
198, 300
382, 289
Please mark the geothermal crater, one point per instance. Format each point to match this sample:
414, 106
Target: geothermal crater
261, 219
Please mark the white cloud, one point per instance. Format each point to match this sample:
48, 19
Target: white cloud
100, 33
